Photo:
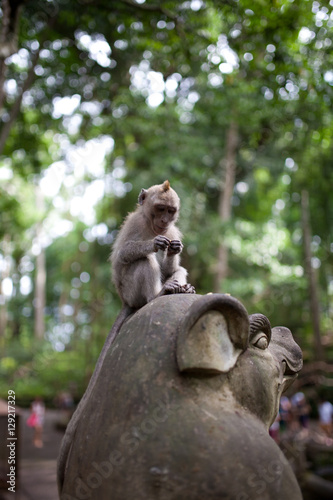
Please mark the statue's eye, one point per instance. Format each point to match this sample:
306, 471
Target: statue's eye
261, 342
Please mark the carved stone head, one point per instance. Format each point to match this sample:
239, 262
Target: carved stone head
182, 406
217, 336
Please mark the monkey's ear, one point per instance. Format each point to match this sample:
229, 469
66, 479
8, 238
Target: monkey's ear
142, 196
212, 335
166, 186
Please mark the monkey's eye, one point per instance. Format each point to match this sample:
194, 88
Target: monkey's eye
260, 341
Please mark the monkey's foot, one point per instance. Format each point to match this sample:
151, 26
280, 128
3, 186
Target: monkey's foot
171, 287
188, 288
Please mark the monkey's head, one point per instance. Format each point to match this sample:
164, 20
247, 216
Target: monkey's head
160, 206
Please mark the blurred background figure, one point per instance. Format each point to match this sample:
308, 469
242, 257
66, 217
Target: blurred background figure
274, 430
65, 403
301, 411
325, 411
37, 421
285, 413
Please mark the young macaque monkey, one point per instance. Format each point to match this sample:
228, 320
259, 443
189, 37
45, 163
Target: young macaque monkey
145, 257
145, 264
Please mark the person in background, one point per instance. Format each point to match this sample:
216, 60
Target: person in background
301, 412
325, 410
38, 411
285, 413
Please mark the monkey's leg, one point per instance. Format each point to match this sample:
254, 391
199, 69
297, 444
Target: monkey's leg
179, 276
142, 282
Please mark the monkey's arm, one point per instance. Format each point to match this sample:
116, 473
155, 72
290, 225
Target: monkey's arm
174, 272
135, 250
175, 280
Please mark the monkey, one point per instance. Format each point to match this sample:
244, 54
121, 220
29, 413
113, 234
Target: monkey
145, 265
145, 257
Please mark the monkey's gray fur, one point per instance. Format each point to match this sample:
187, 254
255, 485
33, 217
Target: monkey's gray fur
145, 258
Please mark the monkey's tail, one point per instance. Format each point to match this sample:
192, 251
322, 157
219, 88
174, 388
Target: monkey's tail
74, 421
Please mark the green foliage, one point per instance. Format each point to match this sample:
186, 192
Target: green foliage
35, 369
155, 86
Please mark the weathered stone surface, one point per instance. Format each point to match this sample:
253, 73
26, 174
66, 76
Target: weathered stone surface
182, 407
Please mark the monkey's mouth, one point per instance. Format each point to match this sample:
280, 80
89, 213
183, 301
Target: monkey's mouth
160, 230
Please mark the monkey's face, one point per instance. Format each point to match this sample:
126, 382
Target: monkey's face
160, 205
162, 216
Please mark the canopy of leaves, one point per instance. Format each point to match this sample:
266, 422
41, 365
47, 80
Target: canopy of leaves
103, 98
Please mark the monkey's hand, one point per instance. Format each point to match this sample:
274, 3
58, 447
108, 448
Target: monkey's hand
175, 247
161, 243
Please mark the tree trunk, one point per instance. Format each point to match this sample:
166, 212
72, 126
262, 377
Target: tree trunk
40, 279
224, 210
5, 274
8, 38
312, 278
8, 46
3, 69
15, 110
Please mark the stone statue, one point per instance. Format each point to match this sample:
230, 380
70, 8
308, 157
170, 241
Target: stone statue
182, 407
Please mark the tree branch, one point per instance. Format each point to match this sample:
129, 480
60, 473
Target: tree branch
162, 10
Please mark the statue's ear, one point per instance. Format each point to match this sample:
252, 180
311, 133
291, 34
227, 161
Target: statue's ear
142, 196
212, 335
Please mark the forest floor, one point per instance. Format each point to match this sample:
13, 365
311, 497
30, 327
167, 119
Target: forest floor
37, 466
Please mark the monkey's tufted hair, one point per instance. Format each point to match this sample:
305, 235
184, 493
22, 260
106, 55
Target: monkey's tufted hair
166, 185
